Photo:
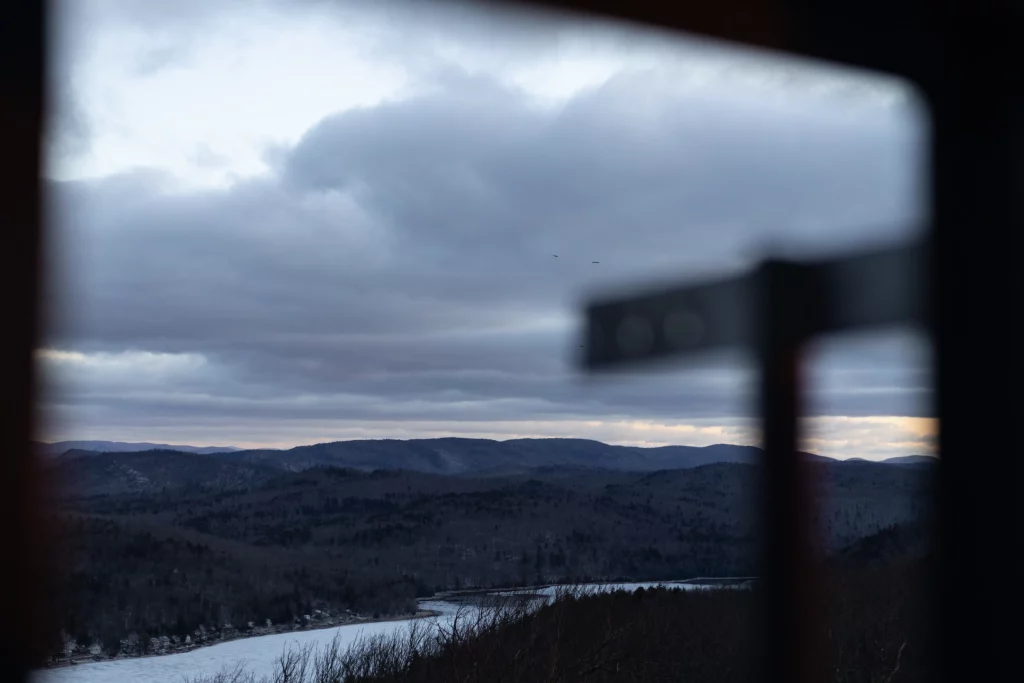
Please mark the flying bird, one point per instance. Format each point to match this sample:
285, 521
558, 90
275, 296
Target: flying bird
595, 261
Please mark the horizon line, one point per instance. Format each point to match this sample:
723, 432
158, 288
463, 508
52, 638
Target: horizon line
470, 438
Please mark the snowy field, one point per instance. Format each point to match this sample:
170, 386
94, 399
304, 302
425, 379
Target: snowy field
259, 653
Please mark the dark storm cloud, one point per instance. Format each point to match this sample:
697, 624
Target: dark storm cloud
399, 263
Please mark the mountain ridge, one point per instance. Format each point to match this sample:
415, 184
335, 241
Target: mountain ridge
86, 473
912, 460
457, 455
62, 447
89, 473
463, 456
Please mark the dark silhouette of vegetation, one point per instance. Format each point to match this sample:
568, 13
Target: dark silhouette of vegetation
128, 589
876, 631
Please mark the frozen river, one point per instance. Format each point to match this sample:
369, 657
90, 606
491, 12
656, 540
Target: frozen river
257, 653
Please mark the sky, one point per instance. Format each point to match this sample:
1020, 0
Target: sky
278, 223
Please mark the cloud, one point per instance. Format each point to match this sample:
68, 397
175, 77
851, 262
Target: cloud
155, 80
394, 266
871, 437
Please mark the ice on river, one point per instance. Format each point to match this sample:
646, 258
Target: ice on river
258, 653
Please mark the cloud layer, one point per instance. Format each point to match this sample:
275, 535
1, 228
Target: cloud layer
392, 270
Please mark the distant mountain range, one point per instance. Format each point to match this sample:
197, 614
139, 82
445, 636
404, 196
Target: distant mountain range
465, 456
913, 460
141, 466
61, 447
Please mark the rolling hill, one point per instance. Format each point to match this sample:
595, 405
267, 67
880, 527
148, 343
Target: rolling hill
465, 456
150, 531
88, 473
61, 447
167, 542
913, 460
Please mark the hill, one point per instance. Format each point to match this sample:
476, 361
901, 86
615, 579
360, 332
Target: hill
88, 473
913, 460
462, 456
897, 543
467, 456
61, 447
256, 542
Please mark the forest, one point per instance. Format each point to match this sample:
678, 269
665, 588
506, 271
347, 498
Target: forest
201, 558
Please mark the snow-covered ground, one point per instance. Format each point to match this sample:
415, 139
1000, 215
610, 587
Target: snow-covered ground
259, 653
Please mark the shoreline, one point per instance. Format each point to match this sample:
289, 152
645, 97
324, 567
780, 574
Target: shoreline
99, 659
536, 588
454, 596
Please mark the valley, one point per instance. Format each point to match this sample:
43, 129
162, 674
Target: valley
172, 545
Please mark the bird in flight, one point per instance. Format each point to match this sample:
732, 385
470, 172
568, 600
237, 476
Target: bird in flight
595, 261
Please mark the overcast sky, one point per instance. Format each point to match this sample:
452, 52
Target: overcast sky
279, 223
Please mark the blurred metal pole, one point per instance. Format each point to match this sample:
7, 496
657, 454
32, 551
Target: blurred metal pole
775, 311
788, 647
